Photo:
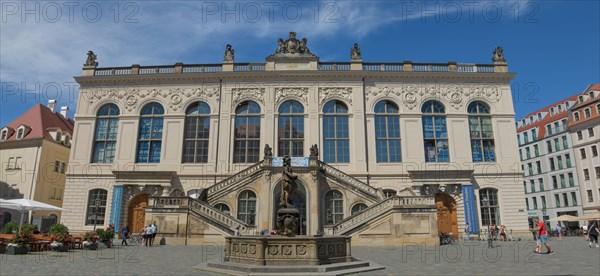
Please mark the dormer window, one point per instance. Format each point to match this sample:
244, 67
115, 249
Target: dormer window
4, 135
539, 116
20, 133
523, 122
58, 137
567, 104
591, 93
559, 108
530, 119
552, 111
580, 99
67, 141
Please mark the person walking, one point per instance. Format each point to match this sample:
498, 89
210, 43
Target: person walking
542, 237
559, 231
593, 232
124, 234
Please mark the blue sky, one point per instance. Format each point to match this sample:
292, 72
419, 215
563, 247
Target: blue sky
553, 46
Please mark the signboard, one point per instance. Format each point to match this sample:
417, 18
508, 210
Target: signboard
115, 210
468, 192
296, 162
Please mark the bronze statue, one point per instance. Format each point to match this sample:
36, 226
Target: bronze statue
292, 45
498, 55
289, 183
268, 151
355, 53
314, 151
91, 59
229, 53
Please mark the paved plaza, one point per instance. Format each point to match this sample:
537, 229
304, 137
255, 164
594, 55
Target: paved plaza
572, 257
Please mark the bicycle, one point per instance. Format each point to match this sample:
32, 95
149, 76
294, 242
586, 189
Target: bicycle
135, 239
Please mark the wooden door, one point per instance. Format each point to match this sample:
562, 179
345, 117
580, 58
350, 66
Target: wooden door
137, 213
446, 215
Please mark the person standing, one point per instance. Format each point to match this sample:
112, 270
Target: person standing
542, 237
154, 230
593, 232
467, 232
125, 234
559, 231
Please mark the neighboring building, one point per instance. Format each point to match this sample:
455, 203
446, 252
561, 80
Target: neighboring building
548, 161
584, 127
34, 149
433, 134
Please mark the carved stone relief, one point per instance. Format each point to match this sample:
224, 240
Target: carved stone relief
344, 93
240, 94
300, 93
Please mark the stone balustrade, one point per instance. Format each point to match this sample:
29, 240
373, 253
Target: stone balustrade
348, 180
229, 183
406, 66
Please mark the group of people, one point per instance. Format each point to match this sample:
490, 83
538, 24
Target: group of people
148, 234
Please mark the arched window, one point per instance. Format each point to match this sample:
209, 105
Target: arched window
334, 206
389, 192
435, 132
492, 210
246, 147
247, 207
357, 208
105, 140
482, 136
150, 135
291, 129
196, 133
223, 208
387, 132
96, 213
336, 139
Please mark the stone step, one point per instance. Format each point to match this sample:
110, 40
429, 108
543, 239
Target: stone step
356, 266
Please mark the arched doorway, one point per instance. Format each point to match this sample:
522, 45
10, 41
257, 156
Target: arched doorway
446, 215
298, 199
137, 213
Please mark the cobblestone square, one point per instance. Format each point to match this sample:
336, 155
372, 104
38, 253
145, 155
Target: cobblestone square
573, 257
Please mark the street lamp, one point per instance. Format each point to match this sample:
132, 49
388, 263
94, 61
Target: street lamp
97, 202
486, 205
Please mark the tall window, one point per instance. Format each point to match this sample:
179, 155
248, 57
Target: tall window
96, 214
105, 140
247, 133
150, 135
247, 207
389, 192
336, 137
196, 133
387, 132
223, 208
334, 206
435, 132
492, 210
291, 129
357, 208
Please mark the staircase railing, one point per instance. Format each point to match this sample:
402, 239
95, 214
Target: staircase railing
346, 179
227, 184
214, 216
374, 211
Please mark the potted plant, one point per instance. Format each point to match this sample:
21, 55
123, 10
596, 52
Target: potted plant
18, 245
105, 236
60, 238
90, 241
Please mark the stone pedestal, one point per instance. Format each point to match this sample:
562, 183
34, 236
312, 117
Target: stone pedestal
288, 220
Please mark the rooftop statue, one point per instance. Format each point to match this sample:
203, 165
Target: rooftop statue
355, 53
91, 59
229, 53
292, 45
498, 55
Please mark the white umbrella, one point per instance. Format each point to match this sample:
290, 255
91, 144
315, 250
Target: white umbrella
25, 205
5, 204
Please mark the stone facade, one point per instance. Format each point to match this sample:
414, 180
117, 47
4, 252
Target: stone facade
302, 78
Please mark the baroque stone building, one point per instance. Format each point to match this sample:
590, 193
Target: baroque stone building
384, 152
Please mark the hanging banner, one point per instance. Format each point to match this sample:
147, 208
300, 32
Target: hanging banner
295, 162
470, 205
115, 210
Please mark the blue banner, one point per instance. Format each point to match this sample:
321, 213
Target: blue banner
296, 162
115, 211
470, 205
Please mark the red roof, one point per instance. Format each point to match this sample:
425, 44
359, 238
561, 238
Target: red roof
40, 119
580, 106
548, 118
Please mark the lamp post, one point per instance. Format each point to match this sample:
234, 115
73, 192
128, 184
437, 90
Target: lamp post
96, 206
486, 204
